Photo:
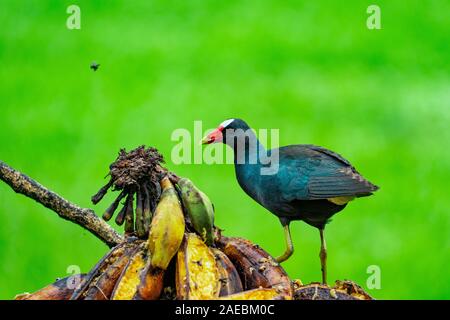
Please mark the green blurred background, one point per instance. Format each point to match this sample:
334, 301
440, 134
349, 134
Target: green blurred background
312, 69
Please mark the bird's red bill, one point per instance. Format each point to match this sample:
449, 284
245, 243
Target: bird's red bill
213, 137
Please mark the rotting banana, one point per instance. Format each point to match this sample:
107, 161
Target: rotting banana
127, 285
61, 289
255, 294
199, 209
151, 284
167, 227
102, 287
197, 276
230, 282
114, 254
347, 287
256, 267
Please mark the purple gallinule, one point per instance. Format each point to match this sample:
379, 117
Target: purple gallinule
310, 183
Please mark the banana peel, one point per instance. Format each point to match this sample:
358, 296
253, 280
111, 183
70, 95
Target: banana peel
256, 294
342, 290
257, 268
61, 289
230, 282
130, 278
151, 284
197, 275
103, 286
113, 255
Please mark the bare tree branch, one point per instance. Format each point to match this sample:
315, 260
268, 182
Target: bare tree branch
84, 217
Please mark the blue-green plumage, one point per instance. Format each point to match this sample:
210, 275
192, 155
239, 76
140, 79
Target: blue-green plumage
307, 177
311, 183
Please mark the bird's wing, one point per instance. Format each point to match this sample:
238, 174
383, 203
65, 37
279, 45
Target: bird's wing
313, 173
329, 153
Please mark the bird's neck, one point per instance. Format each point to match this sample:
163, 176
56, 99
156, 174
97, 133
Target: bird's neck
248, 151
248, 154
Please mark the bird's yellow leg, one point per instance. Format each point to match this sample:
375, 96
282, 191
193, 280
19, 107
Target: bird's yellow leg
323, 256
289, 246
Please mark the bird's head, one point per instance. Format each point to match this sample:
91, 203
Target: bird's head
220, 134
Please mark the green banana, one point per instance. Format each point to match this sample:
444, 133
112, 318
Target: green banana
199, 209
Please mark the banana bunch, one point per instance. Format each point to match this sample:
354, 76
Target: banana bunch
182, 256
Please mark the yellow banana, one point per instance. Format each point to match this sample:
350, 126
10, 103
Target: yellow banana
126, 286
167, 227
197, 276
139, 281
